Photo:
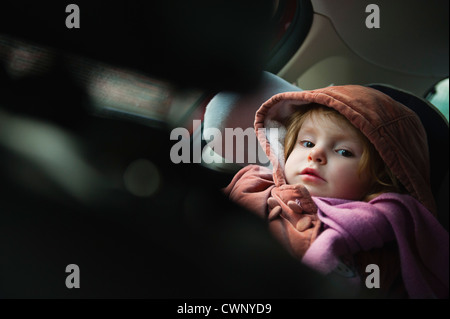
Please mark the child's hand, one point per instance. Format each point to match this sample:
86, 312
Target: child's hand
275, 208
292, 218
302, 223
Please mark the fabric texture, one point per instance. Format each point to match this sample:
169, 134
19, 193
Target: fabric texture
327, 230
422, 241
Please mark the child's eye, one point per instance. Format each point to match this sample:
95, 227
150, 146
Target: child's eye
345, 153
307, 144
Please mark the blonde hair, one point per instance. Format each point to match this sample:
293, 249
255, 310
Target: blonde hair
371, 162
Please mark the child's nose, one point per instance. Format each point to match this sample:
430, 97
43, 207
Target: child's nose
317, 155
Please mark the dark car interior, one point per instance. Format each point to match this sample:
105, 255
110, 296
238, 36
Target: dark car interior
85, 122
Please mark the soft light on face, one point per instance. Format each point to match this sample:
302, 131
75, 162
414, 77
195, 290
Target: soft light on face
325, 159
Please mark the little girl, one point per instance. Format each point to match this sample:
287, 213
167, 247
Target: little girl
349, 189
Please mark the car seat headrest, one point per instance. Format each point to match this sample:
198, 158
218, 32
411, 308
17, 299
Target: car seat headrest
228, 110
436, 127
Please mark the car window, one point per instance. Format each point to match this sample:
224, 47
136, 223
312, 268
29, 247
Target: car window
438, 96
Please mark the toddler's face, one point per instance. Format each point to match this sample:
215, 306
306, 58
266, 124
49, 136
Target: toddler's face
325, 159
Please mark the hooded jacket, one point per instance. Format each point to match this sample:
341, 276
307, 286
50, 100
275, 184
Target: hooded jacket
397, 232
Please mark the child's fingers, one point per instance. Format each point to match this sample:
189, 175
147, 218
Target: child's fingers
304, 223
272, 202
295, 207
274, 213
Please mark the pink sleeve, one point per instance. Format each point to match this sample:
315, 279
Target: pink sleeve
358, 226
251, 188
253, 185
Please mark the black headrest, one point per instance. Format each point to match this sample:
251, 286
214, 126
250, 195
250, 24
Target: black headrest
435, 125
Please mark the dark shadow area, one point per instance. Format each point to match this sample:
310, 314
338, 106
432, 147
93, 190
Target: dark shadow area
63, 194
198, 43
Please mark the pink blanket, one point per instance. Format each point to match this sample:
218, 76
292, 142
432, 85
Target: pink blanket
423, 243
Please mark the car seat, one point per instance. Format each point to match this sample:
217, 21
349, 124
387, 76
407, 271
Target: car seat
234, 110
436, 127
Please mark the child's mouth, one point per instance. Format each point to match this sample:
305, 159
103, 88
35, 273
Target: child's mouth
311, 174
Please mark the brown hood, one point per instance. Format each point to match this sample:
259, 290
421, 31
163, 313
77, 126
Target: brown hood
395, 131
